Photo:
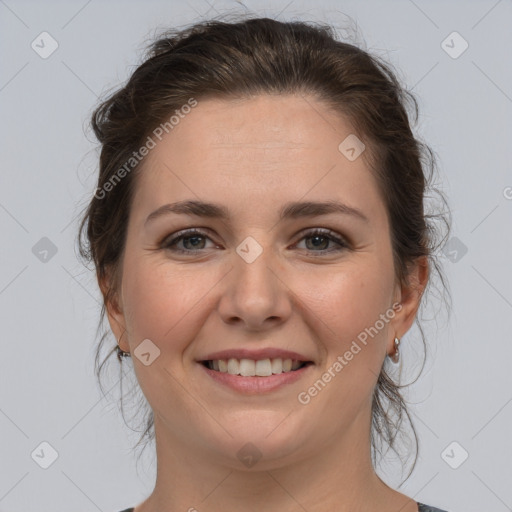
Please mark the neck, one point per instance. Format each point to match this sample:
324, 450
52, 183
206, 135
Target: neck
338, 476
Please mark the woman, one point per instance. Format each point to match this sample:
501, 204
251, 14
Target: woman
260, 241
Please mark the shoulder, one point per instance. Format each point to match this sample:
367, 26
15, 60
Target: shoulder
427, 508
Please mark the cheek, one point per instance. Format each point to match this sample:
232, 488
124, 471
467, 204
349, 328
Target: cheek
348, 308
162, 301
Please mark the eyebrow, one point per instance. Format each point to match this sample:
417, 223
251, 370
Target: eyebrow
293, 210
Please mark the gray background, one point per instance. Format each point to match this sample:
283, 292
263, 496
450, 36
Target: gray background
50, 303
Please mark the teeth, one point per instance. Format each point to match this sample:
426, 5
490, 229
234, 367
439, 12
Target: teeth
263, 368
277, 366
251, 368
233, 367
247, 368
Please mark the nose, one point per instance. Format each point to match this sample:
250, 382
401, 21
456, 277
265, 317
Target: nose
256, 296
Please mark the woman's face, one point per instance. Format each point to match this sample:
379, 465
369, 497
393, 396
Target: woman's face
256, 284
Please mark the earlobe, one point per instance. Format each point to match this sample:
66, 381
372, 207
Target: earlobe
410, 296
117, 323
114, 310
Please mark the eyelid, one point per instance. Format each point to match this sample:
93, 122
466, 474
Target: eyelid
323, 231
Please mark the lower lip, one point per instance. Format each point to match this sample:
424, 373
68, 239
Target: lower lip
256, 385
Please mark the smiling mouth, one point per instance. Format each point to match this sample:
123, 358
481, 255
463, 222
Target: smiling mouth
252, 368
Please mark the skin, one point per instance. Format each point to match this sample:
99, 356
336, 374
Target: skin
253, 156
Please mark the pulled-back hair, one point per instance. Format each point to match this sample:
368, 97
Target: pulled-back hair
215, 59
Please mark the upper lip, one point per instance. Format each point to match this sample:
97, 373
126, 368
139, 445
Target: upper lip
256, 355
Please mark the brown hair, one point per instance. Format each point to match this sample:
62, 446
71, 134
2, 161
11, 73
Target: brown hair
265, 56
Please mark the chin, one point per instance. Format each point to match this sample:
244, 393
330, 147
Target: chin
261, 440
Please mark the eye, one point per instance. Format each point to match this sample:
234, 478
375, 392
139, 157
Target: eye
320, 238
194, 241
192, 238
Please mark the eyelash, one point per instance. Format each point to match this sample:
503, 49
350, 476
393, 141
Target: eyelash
191, 233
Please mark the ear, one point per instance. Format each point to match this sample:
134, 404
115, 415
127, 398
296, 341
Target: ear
409, 296
114, 307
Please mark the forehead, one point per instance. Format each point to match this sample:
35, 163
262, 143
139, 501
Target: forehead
245, 151
270, 122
